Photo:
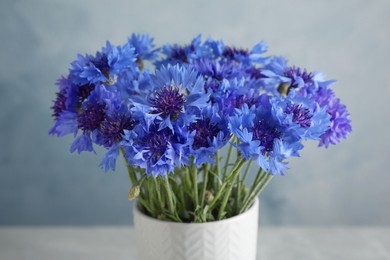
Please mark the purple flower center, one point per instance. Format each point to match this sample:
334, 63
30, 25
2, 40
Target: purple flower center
91, 116
85, 90
300, 115
255, 73
157, 142
180, 52
212, 84
242, 99
59, 104
231, 52
205, 131
266, 134
294, 72
101, 62
168, 101
113, 126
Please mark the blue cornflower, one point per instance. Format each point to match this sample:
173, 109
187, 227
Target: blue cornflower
104, 66
199, 96
59, 104
168, 102
303, 116
109, 159
175, 92
209, 133
215, 71
212, 49
254, 73
65, 108
65, 123
112, 128
320, 93
84, 91
71, 95
133, 83
261, 137
246, 56
180, 54
235, 93
144, 47
299, 115
340, 124
281, 77
298, 76
156, 151
118, 120
91, 116
218, 69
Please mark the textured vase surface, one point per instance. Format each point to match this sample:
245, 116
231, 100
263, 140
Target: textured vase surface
230, 239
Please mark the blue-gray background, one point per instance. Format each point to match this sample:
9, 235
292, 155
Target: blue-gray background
42, 183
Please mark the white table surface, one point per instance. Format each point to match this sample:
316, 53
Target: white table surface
56, 243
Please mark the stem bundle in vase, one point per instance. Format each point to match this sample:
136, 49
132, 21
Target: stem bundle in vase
172, 112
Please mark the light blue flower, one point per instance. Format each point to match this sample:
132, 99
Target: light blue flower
92, 115
176, 92
279, 76
209, 133
109, 159
104, 66
144, 46
156, 151
340, 124
246, 56
303, 116
180, 54
261, 137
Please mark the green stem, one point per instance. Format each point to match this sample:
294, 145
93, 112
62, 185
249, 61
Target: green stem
217, 163
215, 184
148, 198
132, 175
257, 192
241, 182
182, 197
231, 180
169, 195
187, 177
146, 206
228, 159
247, 171
205, 180
258, 179
217, 196
238, 192
194, 175
158, 193
130, 169
141, 180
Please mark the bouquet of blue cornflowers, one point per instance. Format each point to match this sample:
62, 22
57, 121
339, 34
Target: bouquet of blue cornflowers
172, 122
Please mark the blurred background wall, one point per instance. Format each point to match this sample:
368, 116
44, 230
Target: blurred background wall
41, 183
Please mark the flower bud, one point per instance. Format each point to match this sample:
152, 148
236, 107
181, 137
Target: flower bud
133, 192
111, 81
209, 197
140, 64
284, 88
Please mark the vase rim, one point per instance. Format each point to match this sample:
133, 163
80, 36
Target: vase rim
254, 206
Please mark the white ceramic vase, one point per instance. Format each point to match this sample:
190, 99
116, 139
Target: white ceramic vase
230, 239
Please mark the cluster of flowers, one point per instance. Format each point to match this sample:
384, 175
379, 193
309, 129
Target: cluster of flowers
199, 97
